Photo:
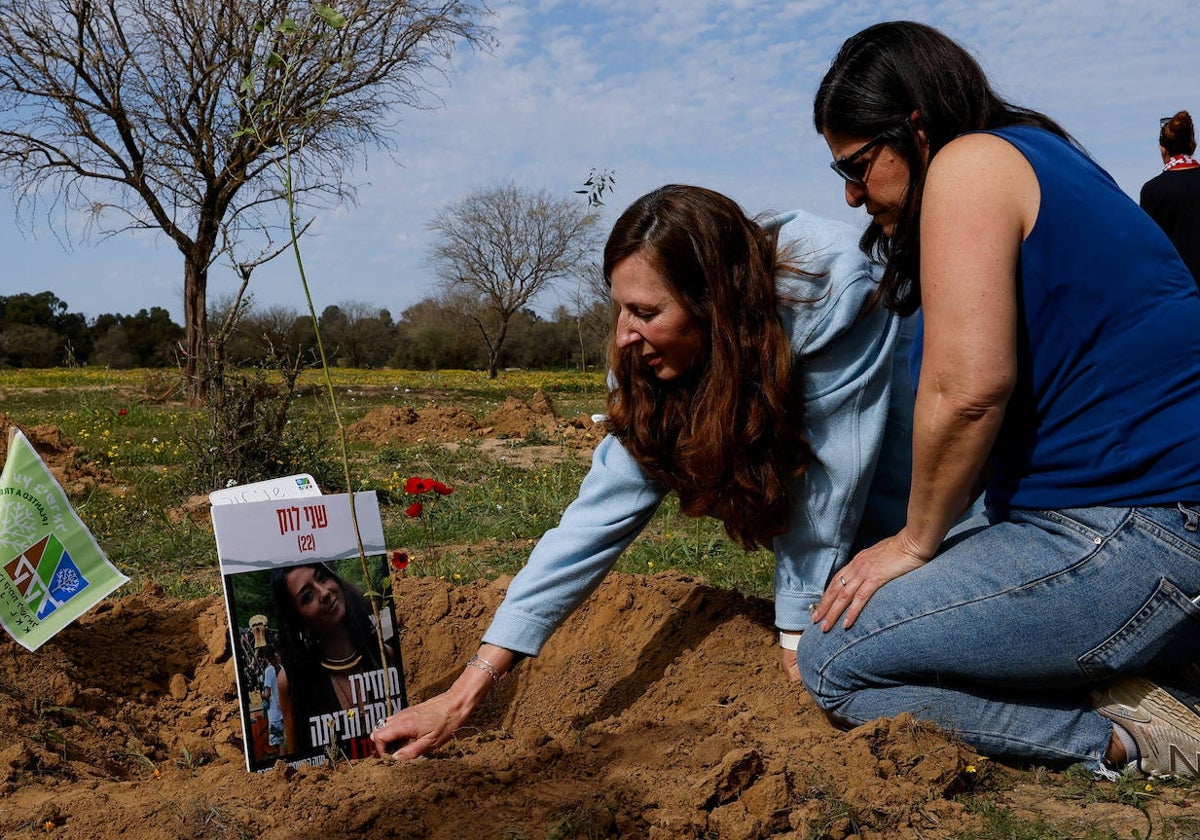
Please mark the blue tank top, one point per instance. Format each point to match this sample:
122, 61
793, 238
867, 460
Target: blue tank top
1106, 409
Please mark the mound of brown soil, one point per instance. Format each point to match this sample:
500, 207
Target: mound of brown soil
408, 425
61, 456
658, 711
515, 418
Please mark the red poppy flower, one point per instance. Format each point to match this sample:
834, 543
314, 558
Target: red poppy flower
399, 560
415, 485
414, 510
442, 489
122, 412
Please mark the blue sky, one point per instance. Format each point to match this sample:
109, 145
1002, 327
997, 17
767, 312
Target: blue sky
692, 91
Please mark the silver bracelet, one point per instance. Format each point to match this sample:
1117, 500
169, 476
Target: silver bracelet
483, 665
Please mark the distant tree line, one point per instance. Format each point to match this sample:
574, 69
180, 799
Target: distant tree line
38, 331
496, 251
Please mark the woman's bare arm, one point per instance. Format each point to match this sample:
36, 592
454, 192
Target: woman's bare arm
980, 201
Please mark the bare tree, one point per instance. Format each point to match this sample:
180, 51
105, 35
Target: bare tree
171, 115
503, 246
591, 309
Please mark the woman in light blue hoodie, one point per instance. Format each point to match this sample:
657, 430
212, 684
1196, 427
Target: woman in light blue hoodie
751, 374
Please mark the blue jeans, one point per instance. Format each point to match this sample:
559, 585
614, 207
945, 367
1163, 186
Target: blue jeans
1000, 636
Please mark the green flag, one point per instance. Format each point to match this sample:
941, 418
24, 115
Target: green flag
53, 570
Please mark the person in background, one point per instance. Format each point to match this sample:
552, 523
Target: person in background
270, 695
1058, 366
751, 375
1172, 198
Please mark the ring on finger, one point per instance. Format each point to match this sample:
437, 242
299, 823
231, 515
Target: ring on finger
842, 579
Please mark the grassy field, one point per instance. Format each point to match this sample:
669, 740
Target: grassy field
153, 449
158, 458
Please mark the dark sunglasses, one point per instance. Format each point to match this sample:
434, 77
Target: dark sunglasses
853, 170
1162, 121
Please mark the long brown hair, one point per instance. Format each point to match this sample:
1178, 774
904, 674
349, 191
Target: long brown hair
726, 436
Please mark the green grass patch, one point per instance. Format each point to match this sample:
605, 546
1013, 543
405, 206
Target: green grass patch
150, 450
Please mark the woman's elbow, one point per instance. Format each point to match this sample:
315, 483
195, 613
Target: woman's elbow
977, 399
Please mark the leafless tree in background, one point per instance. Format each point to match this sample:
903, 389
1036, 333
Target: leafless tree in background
503, 246
591, 309
171, 114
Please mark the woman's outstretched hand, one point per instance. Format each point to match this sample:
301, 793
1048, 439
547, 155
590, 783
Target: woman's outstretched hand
422, 728
419, 729
854, 584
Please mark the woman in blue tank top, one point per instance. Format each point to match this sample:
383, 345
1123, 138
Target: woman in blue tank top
1058, 368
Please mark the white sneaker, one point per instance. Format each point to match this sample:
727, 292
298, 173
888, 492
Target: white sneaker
1163, 719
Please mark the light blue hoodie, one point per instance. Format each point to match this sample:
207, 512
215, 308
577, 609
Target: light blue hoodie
845, 352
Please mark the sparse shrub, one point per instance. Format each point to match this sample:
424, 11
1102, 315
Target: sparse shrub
248, 433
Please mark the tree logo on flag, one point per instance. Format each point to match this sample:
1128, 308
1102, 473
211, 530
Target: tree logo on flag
45, 576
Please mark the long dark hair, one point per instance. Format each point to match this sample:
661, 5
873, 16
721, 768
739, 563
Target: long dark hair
726, 435
878, 81
300, 648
